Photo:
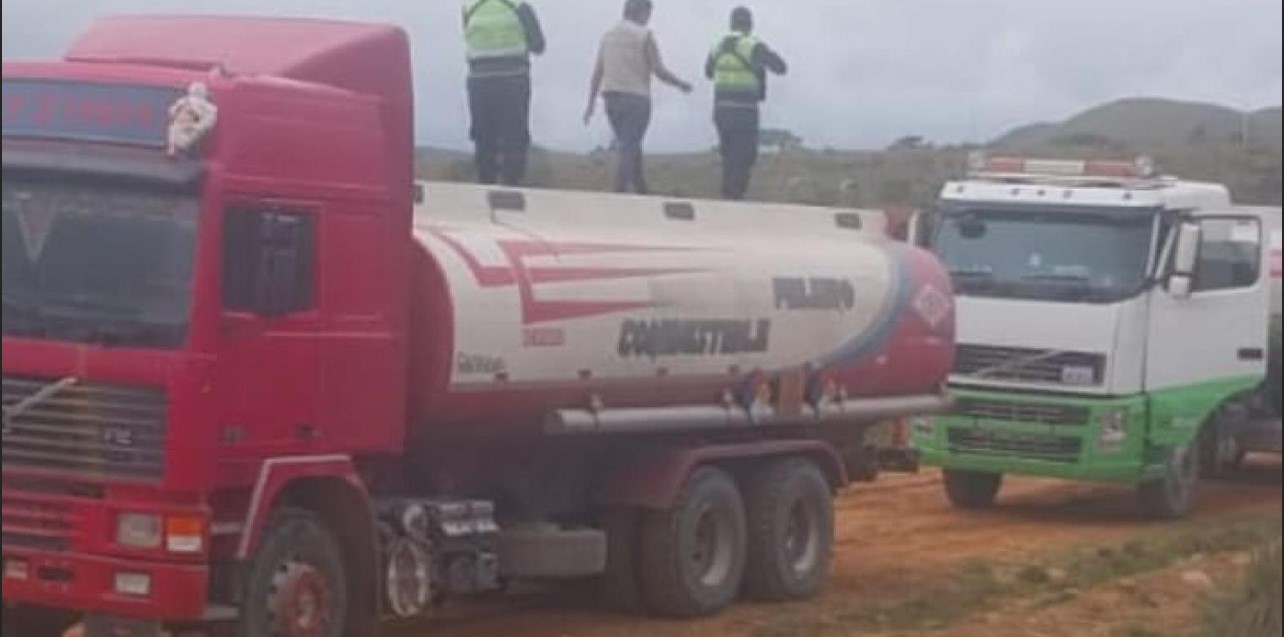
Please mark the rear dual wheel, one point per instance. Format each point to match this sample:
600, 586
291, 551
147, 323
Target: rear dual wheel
693, 554
775, 541
791, 531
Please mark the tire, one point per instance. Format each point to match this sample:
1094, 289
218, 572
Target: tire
1171, 497
693, 554
296, 580
29, 621
791, 531
620, 588
1220, 453
972, 489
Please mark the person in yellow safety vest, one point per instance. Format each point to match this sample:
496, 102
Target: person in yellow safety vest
738, 66
500, 36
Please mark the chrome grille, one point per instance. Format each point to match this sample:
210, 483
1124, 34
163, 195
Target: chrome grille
1023, 365
1036, 413
84, 431
1025, 445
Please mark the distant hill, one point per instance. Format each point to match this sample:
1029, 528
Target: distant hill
1194, 141
1151, 124
1266, 124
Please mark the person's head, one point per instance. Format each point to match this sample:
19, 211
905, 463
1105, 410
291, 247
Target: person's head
638, 11
742, 20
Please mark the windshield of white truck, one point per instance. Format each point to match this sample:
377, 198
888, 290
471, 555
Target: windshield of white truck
1080, 256
92, 262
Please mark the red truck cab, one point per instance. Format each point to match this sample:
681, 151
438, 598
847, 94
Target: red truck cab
156, 306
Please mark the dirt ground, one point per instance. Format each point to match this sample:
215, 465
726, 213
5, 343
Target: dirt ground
898, 541
908, 565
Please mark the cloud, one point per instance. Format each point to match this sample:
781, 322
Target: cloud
863, 72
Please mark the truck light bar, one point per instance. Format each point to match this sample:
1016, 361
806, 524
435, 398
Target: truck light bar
1141, 168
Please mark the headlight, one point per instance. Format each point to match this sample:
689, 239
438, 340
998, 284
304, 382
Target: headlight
924, 426
140, 531
152, 531
1114, 430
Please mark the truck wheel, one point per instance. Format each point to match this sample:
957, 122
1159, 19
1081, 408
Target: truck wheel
791, 531
297, 583
35, 622
972, 489
1172, 496
693, 554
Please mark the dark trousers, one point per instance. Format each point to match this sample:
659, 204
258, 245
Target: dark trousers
738, 141
500, 108
630, 117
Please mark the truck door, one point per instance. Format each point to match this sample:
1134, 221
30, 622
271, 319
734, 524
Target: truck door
270, 353
1214, 340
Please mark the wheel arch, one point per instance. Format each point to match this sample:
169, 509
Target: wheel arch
331, 488
652, 480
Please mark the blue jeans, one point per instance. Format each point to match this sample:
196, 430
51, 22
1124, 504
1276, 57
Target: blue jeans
630, 116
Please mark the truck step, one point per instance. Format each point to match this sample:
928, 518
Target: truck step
552, 553
218, 614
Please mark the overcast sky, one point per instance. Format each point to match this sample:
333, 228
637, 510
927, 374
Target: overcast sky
863, 72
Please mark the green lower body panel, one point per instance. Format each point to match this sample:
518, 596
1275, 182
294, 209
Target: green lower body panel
1105, 439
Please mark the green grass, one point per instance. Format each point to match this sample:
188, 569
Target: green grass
1254, 609
978, 586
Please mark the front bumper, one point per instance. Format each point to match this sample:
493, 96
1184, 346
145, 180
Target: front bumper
86, 583
1015, 434
59, 552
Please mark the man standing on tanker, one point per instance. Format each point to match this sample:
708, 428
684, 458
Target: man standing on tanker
738, 67
627, 59
500, 36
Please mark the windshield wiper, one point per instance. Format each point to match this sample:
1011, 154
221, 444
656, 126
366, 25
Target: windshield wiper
93, 305
1070, 287
972, 273
1059, 278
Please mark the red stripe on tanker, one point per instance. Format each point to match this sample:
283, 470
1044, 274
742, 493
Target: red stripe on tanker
644, 310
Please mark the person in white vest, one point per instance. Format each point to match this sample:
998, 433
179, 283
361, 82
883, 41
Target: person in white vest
626, 61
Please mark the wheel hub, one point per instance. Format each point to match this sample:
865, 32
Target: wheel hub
711, 554
299, 601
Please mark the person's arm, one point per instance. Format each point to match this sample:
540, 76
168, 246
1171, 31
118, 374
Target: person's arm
661, 71
711, 65
595, 87
535, 41
764, 57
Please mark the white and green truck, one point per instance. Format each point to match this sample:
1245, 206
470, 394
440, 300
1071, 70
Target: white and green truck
1113, 325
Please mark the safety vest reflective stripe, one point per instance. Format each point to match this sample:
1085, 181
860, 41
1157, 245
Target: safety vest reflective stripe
733, 67
493, 30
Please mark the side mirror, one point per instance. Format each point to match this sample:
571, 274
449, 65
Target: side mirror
1185, 260
1180, 286
922, 228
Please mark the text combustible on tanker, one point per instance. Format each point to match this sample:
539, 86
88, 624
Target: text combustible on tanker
681, 337
676, 337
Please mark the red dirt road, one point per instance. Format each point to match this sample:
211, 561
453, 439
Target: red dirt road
895, 539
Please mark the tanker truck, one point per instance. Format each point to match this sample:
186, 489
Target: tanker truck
1114, 326
258, 380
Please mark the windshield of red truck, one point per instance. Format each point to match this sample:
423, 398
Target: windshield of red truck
1081, 256
93, 262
